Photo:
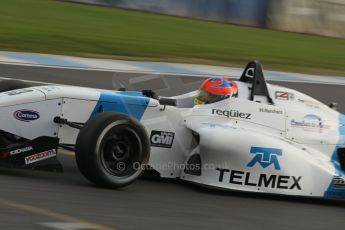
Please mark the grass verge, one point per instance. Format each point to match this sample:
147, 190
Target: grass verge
48, 26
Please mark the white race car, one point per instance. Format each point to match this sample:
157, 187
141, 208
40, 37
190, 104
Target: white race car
269, 139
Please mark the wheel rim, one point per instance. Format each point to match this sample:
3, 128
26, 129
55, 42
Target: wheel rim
121, 151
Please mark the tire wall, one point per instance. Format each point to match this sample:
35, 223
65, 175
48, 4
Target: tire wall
322, 17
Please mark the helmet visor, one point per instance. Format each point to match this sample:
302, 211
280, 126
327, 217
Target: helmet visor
205, 97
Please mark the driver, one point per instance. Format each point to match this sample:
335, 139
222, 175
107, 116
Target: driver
215, 89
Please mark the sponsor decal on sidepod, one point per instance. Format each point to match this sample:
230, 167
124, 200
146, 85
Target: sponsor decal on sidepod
26, 115
264, 157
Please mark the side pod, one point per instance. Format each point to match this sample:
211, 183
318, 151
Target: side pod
246, 160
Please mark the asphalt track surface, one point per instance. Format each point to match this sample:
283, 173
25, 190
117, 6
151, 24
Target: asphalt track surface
43, 200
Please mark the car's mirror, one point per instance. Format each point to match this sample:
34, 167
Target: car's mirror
167, 101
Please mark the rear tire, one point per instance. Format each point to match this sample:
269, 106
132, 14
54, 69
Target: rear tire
111, 150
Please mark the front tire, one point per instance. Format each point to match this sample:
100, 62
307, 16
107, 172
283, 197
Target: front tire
111, 150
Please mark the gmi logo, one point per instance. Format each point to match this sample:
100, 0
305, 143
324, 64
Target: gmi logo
162, 139
265, 157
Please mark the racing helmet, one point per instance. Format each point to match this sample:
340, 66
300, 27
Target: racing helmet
215, 89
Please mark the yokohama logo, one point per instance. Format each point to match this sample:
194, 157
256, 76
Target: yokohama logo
22, 150
40, 156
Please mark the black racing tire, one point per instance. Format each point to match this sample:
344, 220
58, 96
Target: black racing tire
112, 149
7, 139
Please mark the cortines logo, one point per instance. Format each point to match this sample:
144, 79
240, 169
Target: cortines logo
26, 115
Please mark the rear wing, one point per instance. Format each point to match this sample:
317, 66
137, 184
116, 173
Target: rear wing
253, 74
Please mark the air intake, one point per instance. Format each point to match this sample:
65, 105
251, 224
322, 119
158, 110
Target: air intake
193, 166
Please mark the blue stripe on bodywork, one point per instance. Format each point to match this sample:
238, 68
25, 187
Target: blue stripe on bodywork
332, 192
132, 103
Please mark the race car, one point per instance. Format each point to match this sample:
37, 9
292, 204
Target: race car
267, 139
